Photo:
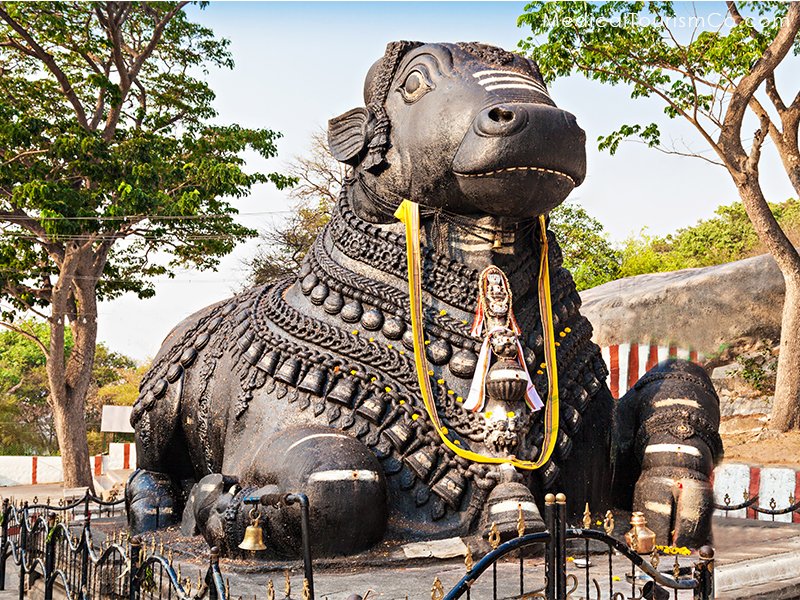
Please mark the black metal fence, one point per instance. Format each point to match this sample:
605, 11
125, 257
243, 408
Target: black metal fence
753, 508
641, 577
41, 540
53, 548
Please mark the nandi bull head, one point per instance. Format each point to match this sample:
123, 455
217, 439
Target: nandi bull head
464, 127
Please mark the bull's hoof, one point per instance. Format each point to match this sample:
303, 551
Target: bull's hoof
152, 501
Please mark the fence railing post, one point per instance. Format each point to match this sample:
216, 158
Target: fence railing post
704, 574
87, 514
302, 500
133, 576
23, 549
561, 536
84, 549
49, 557
550, 548
4, 543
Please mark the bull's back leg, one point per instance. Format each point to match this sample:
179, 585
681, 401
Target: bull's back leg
165, 418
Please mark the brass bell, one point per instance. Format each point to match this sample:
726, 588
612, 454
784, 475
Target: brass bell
253, 535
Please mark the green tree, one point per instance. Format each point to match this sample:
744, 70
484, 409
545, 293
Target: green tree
709, 78
727, 237
111, 173
26, 415
587, 252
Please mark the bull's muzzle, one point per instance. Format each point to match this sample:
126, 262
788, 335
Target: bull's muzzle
520, 159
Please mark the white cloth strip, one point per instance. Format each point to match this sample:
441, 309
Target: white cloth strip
314, 436
344, 475
624, 354
674, 448
663, 353
606, 354
676, 402
660, 508
513, 505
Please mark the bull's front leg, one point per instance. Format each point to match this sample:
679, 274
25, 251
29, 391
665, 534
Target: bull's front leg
343, 480
668, 439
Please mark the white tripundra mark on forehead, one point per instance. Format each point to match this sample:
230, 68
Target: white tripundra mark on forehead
497, 79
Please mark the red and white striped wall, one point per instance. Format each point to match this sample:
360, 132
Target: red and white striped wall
628, 362
31, 470
781, 484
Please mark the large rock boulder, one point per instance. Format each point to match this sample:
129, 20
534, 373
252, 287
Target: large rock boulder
735, 303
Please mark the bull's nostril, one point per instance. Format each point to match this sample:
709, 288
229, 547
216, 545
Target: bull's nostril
501, 115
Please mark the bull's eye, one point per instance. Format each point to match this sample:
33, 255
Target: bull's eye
415, 86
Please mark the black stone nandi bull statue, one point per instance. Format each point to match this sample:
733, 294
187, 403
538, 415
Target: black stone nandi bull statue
308, 384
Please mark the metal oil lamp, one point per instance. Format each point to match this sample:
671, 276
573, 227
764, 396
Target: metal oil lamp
253, 535
640, 538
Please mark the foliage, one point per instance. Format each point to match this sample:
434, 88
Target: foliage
113, 170
136, 160
587, 252
758, 369
26, 424
285, 245
725, 238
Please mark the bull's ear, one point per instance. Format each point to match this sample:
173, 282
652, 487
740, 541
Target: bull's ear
349, 135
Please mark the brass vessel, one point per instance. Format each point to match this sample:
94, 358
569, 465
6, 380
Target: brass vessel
640, 538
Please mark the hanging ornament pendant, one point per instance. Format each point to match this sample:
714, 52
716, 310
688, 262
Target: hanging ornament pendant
507, 380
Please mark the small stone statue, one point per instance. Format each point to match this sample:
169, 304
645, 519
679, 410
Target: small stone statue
309, 384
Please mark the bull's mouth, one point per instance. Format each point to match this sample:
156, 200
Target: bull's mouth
523, 169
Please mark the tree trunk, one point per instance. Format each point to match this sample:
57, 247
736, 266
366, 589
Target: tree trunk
69, 377
70, 425
786, 409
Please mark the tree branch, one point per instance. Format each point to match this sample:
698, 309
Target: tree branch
32, 337
50, 63
730, 138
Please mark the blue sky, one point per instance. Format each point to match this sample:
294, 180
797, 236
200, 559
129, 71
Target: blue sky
300, 63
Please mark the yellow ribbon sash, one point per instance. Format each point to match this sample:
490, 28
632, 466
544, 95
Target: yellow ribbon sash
408, 213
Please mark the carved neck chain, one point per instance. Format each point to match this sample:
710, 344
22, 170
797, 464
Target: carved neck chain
493, 234
448, 279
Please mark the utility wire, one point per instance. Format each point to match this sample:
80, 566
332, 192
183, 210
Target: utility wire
14, 218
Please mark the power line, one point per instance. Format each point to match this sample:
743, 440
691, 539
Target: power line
14, 219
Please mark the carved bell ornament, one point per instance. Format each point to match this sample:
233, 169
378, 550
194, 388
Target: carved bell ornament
640, 538
253, 535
